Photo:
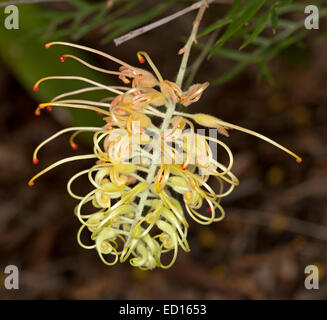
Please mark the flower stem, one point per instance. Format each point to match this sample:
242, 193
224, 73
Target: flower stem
169, 112
186, 50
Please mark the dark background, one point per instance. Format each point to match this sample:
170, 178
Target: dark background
276, 221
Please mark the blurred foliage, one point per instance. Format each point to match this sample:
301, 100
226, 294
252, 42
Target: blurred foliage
249, 33
84, 16
266, 26
263, 27
24, 53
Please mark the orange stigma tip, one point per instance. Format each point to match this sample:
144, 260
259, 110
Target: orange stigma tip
141, 59
299, 160
47, 46
35, 88
31, 183
62, 58
37, 112
35, 160
183, 166
209, 210
75, 146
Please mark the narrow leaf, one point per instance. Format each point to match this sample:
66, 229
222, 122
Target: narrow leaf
250, 9
214, 26
233, 10
260, 27
230, 74
274, 19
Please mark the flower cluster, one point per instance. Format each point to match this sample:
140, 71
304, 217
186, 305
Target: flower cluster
146, 177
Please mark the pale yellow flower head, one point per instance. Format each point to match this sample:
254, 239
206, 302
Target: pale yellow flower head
147, 180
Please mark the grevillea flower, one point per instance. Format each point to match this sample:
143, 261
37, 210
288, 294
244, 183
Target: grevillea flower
147, 179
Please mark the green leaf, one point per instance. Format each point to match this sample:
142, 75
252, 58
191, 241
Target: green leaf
222, 22
126, 24
233, 10
82, 5
23, 51
233, 54
264, 71
260, 27
274, 19
230, 74
96, 21
214, 26
124, 9
249, 10
272, 51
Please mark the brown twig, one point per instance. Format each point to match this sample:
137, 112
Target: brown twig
187, 48
196, 65
137, 32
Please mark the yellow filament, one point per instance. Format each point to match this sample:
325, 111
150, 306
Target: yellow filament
232, 126
71, 180
94, 67
152, 65
87, 102
74, 92
60, 162
48, 45
80, 241
253, 133
77, 78
76, 106
79, 129
162, 177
